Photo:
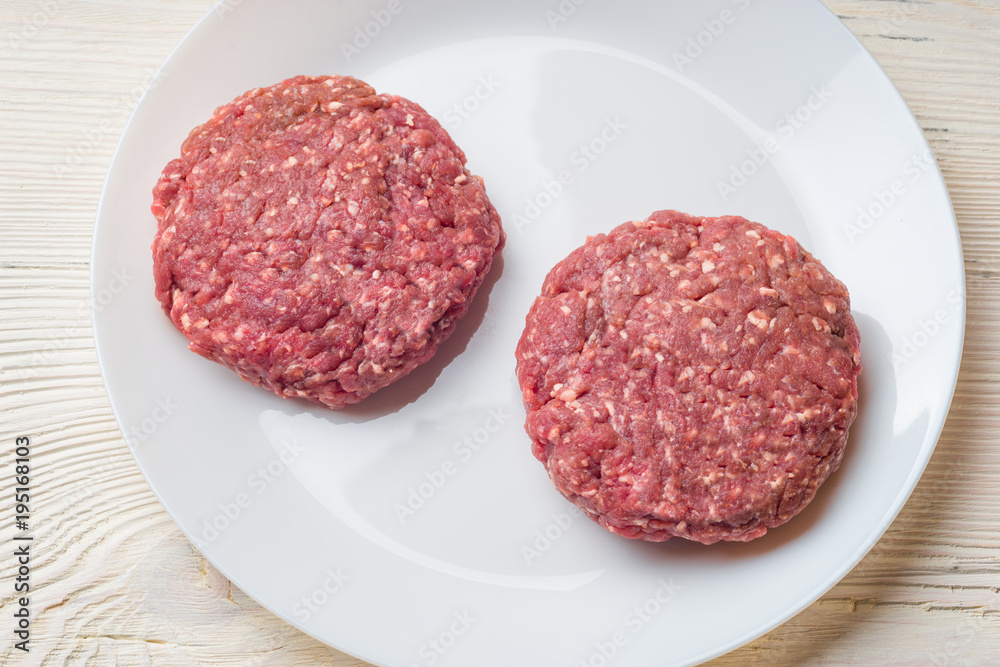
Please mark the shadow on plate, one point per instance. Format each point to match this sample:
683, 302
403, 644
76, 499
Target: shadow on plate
414, 385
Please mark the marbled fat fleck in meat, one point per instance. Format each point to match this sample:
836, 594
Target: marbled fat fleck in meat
690, 377
320, 239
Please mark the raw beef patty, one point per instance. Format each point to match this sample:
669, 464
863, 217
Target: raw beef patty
320, 239
690, 377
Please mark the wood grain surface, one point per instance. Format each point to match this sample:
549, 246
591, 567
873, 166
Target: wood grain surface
114, 581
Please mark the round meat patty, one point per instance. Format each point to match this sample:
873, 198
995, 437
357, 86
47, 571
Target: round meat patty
320, 239
690, 377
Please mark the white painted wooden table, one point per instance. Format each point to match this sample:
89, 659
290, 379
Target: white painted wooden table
113, 581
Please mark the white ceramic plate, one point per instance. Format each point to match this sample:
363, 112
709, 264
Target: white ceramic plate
416, 529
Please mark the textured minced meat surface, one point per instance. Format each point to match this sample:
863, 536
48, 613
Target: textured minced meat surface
690, 377
320, 239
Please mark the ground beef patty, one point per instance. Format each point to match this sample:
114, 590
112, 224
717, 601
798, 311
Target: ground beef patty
319, 239
690, 377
